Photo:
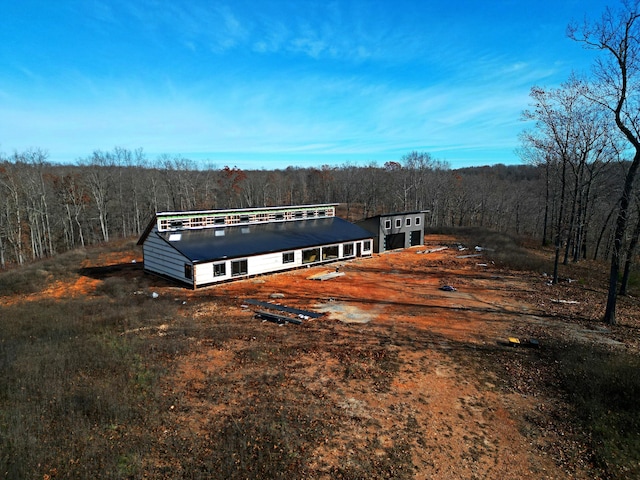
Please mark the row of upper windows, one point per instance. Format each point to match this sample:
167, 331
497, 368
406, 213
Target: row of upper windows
407, 222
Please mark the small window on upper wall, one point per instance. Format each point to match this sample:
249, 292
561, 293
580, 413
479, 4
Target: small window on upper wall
417, 220
387, 224
407, 222
398, 222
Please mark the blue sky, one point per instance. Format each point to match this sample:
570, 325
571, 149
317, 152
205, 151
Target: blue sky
268, 84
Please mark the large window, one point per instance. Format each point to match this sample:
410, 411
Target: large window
238, 267
219, 269
366, 246
347, 250
288, 257
311, 255
330, 253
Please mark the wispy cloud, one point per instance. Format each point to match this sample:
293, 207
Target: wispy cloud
263, 79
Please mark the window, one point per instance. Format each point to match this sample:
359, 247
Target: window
311, 255
330, 253
288, 257
387, 224
188, 271
347, 250
238, 267
366, 246
398, 222
407, 222
219, 269
417, 220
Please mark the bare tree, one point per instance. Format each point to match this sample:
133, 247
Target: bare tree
554, 112
617, 88
100, 186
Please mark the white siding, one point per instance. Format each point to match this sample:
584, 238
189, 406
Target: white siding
161, 258
258, 265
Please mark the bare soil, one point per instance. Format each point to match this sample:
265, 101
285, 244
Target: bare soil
397, 379
400, 364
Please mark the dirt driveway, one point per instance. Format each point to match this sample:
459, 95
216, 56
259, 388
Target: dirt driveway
398, 378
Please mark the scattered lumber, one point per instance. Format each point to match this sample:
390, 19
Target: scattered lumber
276, 318
325, 276
283, 308
433, 250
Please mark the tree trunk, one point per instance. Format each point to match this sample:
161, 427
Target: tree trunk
560, 221
629, 258
621, 227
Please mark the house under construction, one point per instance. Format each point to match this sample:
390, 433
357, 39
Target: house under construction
199, 248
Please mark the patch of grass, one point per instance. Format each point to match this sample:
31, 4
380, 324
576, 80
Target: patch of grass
115, 287
604, 388
34, 277
23, 281
504, 250
395, 462
75, 391
375, 364
268, 439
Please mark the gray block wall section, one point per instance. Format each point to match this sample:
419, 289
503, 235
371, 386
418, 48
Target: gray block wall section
395, 230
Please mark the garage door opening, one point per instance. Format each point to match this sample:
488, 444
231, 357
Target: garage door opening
416, 238
394, 241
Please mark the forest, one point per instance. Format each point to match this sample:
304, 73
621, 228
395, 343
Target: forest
48, 208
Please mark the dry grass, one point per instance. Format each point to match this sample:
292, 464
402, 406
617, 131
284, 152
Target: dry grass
113, 383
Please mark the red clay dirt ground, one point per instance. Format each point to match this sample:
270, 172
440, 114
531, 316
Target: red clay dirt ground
404, 367
398, 378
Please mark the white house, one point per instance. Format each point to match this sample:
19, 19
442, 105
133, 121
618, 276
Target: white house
201, 248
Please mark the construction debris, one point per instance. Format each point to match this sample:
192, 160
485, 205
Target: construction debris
433, 250
325, 276
304, 314
276, 318
524, 342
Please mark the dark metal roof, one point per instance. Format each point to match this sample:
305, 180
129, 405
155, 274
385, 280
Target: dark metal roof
246, 240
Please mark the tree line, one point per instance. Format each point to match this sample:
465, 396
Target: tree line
48, 208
